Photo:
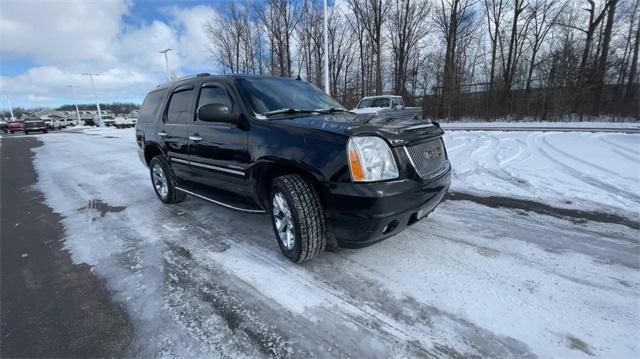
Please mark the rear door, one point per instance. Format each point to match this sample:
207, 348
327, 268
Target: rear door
218, 150
173, 131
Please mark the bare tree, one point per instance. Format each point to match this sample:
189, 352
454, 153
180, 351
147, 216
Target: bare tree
372, 15
407, 28
494, 10
544, 14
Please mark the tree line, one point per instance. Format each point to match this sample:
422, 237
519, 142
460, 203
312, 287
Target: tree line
507, 59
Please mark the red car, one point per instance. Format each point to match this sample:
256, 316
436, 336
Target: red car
16, 126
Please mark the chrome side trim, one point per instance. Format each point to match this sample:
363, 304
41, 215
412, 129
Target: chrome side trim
216, 168
220, 203
211, 167
179, 160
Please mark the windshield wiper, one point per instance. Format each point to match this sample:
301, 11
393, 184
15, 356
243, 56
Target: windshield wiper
333, 110
287, 110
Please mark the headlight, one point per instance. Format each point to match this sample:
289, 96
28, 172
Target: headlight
370, 159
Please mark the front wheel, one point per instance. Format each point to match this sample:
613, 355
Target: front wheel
297, 217
164, 181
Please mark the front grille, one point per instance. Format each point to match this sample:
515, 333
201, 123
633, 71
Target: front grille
428, 158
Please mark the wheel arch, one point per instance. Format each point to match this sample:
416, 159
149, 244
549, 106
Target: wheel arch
150, 151
265, 171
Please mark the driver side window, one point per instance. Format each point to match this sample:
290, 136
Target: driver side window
212, 94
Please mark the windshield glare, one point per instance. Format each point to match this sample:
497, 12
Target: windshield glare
267, 94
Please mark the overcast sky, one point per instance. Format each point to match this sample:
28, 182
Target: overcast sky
45, 45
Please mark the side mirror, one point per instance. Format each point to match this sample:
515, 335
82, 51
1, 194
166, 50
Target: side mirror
216, 112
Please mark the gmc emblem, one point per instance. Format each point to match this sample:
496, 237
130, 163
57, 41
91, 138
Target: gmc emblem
433, 153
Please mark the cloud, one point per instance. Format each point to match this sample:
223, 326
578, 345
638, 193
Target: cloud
53, 31
36, 98
65, 38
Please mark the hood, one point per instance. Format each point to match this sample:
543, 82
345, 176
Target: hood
397, 129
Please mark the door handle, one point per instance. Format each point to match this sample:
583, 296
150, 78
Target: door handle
162, 134
195, 138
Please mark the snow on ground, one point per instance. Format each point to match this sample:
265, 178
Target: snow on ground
528, 124
199, 280
594, 171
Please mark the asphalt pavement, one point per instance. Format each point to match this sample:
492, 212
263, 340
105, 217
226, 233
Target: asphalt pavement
50, 307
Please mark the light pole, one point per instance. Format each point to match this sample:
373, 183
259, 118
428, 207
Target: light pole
326, 50
166, 62
100, 124
75, 101
13, 119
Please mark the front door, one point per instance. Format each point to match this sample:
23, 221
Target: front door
174, 129
218, 150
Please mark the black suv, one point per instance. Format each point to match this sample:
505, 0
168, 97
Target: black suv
327, 177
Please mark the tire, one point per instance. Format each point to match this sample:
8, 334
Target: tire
26, 132
171, 195
305, 222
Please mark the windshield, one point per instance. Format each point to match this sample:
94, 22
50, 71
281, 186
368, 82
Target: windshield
268, 94
374, 102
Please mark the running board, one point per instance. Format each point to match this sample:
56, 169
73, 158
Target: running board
256, 211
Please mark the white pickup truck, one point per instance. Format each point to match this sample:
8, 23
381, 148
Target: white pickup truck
385, 104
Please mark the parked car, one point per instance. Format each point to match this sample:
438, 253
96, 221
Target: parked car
385, 104
326, 176
3, 127
15, 126
108, 120
53, 124
34, 126
124, 122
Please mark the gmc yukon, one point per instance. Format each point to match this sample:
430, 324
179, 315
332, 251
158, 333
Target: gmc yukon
328, 178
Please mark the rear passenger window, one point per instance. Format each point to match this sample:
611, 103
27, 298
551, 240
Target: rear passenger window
180, 107
150, 106
210, 95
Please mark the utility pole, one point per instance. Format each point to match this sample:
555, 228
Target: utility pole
75, 101
166, 62
13, 119
326, 50
100, 123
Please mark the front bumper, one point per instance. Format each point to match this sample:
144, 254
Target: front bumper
363, 214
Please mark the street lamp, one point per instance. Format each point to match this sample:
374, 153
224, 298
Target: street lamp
75, 101
13, 119
166, 62
96, 97
326, 51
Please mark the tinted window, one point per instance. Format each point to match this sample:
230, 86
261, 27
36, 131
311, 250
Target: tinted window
275, 93
151, 105
209, 95
180, 107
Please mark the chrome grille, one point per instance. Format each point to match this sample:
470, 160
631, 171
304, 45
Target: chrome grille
428, 158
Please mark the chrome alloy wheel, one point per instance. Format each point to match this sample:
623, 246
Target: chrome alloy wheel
160, 181
283, 221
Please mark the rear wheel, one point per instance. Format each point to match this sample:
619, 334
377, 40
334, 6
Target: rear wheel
164, 181
298, 218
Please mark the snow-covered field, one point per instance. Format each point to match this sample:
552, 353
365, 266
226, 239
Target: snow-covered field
594, 171
536, 124
202, 281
